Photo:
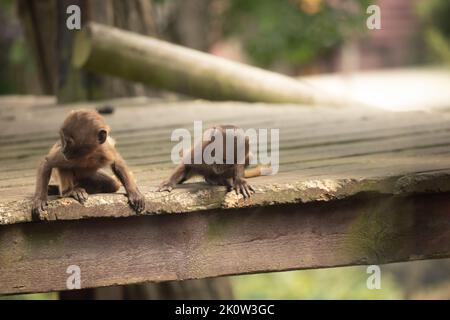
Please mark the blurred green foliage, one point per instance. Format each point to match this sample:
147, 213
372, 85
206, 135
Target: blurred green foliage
336, 283
17, 52
7, 3
436, 13
294, 31
435, 16
34, 296
16, 60
333, 283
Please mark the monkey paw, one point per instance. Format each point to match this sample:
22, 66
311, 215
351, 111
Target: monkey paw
137, 202
242, 187
38, 209
78, 194
165, 186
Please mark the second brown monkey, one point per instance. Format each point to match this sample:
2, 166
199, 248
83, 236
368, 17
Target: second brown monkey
230, 175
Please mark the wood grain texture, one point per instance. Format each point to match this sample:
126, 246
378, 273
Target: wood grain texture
356, 186
366, 229
325, 154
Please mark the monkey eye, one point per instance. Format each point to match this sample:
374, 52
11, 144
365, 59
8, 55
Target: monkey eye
102, 135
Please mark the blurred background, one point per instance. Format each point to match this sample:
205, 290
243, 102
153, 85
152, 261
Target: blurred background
294, 37
299, 38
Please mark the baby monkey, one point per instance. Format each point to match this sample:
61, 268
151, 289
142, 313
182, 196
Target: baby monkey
84, 147
232, 175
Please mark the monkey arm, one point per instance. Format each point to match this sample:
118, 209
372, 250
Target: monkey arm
43, 178
40, 195
179, 175
54, 159
120, 169
240, 184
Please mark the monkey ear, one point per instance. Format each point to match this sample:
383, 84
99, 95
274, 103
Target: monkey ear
102, 135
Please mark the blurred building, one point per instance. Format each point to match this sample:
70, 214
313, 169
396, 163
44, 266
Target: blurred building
396, 44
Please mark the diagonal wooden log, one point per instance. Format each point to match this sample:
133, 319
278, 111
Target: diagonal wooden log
131, 56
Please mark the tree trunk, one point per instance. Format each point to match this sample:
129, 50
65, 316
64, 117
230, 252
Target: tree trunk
45, 26
39, 23
192, 27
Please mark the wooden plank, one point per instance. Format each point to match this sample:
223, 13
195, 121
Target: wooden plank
293, 138
352, 189
356, 186
195, 196
355, 150
359, 230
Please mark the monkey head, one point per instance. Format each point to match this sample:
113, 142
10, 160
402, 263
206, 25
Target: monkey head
82, 132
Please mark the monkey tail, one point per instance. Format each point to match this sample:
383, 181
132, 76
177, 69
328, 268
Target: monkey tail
258, 171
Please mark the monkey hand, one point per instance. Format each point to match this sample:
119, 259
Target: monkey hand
39, 207
137, 201
78, 194
165, 186
241, 186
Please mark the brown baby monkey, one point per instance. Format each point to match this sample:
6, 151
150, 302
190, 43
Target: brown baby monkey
84, 147
232, 175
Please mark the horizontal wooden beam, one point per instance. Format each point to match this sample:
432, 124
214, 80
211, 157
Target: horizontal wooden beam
364, 229
198, 196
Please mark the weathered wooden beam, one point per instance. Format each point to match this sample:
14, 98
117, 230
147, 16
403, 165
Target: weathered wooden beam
195, 197
104, 49
355, 187
365, 229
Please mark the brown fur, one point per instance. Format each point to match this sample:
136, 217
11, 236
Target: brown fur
84, 148
230, 175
